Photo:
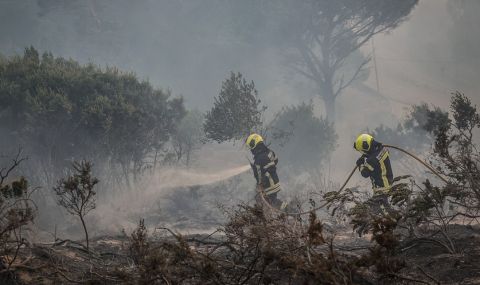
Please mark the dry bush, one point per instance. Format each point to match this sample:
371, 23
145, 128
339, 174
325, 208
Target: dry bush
76, 194
422, 213
280, 249
426, 212
431, 209
256, 247
139, 245
17, 210
169, 261
399, 219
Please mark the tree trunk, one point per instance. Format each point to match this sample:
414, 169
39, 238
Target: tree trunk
188, 152
330, 108
85, 229
328, 96
327, 88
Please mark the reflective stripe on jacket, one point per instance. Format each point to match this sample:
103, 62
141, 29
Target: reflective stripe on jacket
377, 166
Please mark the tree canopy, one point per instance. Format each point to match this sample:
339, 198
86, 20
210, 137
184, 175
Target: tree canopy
320, 36
236, 111
59, 111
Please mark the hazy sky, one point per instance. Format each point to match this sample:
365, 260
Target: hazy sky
416, 61
187, 46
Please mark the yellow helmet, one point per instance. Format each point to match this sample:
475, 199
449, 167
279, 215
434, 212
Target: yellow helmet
253, 140
363, 143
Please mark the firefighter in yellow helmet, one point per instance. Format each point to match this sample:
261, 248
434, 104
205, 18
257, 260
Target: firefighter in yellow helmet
265, 169
374, 162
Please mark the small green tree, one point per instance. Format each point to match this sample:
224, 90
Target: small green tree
75, 193
236, 111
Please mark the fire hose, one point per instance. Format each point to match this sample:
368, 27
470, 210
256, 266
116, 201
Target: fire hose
262, 194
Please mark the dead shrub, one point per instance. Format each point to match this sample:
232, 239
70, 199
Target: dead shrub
17, 211
257, 247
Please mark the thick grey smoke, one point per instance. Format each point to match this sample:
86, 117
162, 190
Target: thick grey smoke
186, 46
191, 46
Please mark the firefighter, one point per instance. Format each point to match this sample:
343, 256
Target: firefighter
265, 170
374, 162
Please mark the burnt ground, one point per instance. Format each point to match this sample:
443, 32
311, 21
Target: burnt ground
462, 267
430, 262
68, 262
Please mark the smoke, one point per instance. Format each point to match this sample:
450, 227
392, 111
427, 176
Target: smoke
188, 46
185, 178
148, 201
419, 61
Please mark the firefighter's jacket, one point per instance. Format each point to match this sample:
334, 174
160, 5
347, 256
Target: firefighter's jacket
376, 165
265, 169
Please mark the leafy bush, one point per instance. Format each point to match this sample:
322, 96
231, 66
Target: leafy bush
302, 141
60, 111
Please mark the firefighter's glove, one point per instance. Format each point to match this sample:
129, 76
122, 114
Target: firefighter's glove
360, 161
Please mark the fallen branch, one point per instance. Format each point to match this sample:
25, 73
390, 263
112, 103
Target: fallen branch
428, 275
398, 276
